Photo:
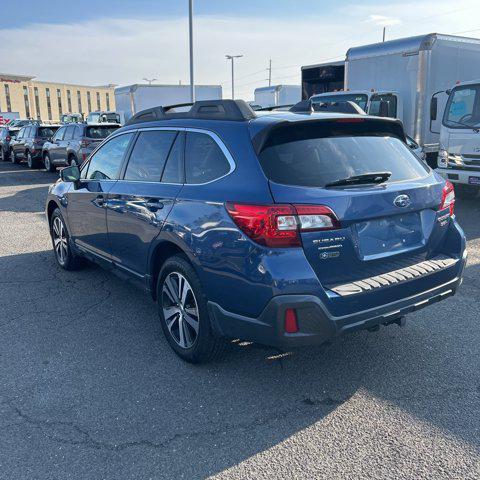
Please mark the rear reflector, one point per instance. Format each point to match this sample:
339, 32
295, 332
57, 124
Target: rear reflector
448, 197
291, 325
280, 225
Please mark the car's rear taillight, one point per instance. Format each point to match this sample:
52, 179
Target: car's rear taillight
8, 138
280, 226
448, 197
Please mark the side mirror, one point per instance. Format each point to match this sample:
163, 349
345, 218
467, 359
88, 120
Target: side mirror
383, 110
70, 174
433, 108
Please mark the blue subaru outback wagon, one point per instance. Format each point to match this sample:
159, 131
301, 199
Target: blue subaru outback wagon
282, 228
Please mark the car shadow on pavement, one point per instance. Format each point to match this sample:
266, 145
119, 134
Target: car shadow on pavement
26, 200
88, 377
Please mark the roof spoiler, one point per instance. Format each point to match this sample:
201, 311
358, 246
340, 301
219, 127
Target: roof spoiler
235, 110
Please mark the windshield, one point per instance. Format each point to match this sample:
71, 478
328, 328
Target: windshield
93, 117
111, 117
463, 107
46, 132
316, 162
360, 99
100, 132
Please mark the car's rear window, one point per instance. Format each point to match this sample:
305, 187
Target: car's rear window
46, 132
320, 156
100, 132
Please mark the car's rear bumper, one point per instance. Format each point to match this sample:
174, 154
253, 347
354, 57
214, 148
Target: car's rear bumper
315, 322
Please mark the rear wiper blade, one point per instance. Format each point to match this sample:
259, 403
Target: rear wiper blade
373, 177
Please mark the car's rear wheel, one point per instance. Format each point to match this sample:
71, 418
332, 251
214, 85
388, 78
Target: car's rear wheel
466, 191
183, 312
31, 162
48, 163
61, 243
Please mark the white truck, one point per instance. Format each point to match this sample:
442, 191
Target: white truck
459, 154
400, 77
131, 99
276, 95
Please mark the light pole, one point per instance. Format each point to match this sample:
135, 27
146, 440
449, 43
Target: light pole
232, 58
190, 32
150, 81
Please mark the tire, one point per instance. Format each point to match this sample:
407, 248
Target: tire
192, 340
48, 163
5, 155
13, 157
31, 162
61, 243
466, 191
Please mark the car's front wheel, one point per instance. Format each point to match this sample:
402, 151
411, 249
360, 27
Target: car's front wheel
13, 157
61, 243
182, 307
48, 163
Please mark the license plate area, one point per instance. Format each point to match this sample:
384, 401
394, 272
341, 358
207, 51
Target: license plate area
474, 180
387, 236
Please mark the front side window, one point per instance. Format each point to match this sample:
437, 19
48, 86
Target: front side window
316, 157
463, 107
204, 160
59, 134
69, 133
105, 164
149, 155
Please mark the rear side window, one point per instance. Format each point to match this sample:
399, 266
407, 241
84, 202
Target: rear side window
100, 132
204, 160
107, 160
149, 155
313, 159
46, 132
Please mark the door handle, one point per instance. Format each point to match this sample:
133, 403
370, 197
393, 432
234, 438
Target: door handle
154, 204
100, 201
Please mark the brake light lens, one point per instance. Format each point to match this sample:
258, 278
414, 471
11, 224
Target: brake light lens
279, 226
8, 138
448, 197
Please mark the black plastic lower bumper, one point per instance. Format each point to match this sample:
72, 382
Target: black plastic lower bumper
316, 324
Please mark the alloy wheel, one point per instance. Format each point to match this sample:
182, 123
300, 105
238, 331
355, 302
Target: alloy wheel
180, 310
29, 160
46, 161
60, 244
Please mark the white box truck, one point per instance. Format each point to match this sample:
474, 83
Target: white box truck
276, 95
398, 79
132, 99
459, 154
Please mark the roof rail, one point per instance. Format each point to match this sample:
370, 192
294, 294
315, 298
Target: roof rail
236, 110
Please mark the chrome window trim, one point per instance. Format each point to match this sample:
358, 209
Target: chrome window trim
213, 135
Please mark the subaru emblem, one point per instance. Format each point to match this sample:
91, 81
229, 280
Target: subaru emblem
402, 201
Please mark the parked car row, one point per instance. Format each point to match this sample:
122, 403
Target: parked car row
52, 145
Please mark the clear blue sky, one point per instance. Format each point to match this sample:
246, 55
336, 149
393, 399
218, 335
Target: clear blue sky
66, 11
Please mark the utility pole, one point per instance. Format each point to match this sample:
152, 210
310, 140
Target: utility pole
269, 72
384, 28
190, 30
232, 58
150, 81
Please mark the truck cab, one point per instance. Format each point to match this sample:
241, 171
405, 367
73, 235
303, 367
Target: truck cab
379, 103
459, 153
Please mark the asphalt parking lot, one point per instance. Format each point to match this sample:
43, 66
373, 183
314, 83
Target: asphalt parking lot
89, 388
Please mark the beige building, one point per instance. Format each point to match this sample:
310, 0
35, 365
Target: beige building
46, 101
